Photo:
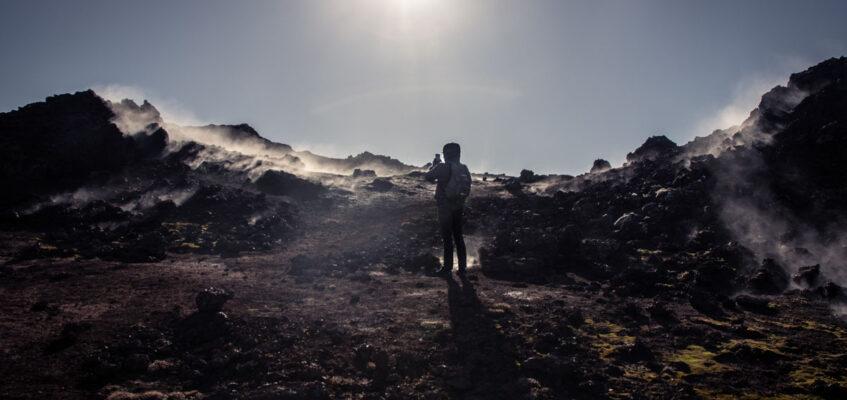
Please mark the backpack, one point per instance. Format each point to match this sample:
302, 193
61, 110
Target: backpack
458, 186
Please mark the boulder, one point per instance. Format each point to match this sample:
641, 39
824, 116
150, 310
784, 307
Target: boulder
655, 147
425, 262
211, 300
807, 276
770, 278
634, 352
380, 185
364, 173
281, 183
831, 290
600, 165
629, 225
528, 176
755, 304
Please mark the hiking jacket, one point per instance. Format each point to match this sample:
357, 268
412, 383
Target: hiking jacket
441, 174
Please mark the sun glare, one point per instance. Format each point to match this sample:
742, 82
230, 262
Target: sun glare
412, 5
420, 19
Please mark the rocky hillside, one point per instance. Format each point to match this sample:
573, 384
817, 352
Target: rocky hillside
144, 260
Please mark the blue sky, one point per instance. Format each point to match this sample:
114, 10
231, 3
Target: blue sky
544, 85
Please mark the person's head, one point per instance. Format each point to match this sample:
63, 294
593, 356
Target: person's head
452, 151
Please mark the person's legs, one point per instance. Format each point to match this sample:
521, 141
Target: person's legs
461, 253
445, 220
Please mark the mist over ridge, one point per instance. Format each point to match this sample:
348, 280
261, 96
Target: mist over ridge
719, 262
214, 200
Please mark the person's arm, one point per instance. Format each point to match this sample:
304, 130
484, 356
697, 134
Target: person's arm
434, 172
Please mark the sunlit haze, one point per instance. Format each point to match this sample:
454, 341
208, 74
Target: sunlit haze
542, 85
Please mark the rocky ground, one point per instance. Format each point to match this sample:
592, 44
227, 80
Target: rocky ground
332, 314
189, 270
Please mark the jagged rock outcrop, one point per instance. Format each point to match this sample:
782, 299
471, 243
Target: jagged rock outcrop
381, 165
56, 144
600, 165
771, 187
282, 183
654, 147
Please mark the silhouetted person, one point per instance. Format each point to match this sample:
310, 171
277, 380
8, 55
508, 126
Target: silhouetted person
453, 186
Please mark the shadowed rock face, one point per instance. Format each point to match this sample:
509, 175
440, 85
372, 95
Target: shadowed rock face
600, 165
282, 183
667, 211
654, 147
629, 280
54, 145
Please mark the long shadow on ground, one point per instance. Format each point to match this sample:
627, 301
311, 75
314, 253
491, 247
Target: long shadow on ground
485, 356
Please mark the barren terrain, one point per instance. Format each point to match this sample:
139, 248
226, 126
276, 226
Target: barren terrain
144, 260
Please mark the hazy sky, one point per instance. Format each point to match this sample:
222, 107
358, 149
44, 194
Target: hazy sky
544, 85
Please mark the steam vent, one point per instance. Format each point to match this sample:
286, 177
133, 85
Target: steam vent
144, 259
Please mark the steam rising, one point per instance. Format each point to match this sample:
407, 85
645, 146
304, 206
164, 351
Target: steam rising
748, 207
753, 216
238, 148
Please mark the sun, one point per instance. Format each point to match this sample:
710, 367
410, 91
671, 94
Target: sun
413, 3
413, 8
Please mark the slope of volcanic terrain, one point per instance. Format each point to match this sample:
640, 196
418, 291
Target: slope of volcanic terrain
143, 260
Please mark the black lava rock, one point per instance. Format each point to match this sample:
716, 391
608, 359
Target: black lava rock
281, 183
770, 278
807, 276
211, 300
600, 165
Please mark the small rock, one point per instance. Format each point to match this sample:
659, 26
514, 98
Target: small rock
754, 304
807, 276
364, 173
634, 352
381, 185
600, 165
770, 278
211, 300
827, 390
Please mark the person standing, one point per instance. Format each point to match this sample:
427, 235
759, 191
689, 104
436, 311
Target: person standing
453, 184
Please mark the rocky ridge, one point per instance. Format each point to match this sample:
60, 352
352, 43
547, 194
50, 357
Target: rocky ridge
707, 270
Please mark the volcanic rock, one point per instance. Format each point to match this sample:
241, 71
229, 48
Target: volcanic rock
363, 173
634, 352
211, 300
770, 278
527, 176
281, 183
600, 165
831, 290
807, 276
381, 185
828, 390
755, 304
715, 278
147, 247
629, 225
367, 160
655, 147
54, 145
68, 337
705, 303
369, 358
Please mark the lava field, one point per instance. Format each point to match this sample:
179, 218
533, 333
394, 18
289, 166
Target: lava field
146, 260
